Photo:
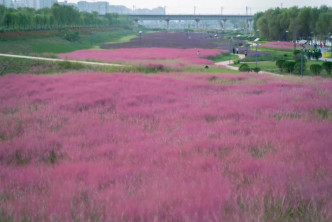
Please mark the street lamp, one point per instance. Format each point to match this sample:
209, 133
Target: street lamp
230, 49
140, 36
302, 43
256, 40
286, 35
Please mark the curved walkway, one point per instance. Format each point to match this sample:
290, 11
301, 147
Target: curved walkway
227, 64
59, 60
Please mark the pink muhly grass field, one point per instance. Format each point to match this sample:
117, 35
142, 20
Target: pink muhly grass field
278, 45
187, 56
176, 147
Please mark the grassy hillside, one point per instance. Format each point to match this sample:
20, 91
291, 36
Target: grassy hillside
53, 43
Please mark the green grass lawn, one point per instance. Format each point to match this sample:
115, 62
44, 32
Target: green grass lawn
223, 57
55, 44
275, 54
211, 69
270, 66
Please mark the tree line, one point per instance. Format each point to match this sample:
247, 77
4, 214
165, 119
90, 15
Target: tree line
58, 16
294, 23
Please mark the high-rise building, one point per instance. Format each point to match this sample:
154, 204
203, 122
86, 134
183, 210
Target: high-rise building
100, 7
45, 3
19, 3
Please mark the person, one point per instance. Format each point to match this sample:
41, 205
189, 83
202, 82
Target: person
198, 53
321, 45
245, 53
237, 50
233, 51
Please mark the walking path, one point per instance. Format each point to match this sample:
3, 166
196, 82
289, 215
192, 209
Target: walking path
326, 59
227, 64
59, 60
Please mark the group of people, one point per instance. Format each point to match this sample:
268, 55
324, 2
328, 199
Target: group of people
237, 51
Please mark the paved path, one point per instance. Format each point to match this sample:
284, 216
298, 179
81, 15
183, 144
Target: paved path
326, 59
227, 64
59, 60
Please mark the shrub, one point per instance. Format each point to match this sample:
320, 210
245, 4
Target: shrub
244, 68
256, 69
289, 66
316, 69
327, 66
280, 63
236, 62
70, 35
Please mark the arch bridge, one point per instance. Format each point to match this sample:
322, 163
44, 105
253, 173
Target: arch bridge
197, 18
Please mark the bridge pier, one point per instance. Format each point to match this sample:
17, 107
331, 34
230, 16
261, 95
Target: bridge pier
136, 23
167, 24
223, 24
249, 24
197, 23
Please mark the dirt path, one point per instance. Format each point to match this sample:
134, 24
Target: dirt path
58, 60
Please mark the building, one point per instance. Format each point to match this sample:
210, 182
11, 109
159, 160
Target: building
19, 3
45, 3
100, 7
6, 3
69, 4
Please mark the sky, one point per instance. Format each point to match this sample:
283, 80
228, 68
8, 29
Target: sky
214, 6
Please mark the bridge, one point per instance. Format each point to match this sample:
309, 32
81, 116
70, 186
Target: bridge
197, 18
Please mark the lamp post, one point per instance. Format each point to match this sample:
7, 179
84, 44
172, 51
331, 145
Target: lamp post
256, 40
302, 42
140, 36
286, 35
230, 49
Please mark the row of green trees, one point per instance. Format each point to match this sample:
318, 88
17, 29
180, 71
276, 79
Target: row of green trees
59, 16
301, 23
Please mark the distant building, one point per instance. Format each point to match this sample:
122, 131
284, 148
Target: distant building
6, 3
19, 3
45, 3
100, 7
69, 4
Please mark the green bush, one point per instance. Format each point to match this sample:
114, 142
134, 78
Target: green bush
70, 35
280, 63
288, 66
316, 69
235, 62
244, 68
256, 69
327, 66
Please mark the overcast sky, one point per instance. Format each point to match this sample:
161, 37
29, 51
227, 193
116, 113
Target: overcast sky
214, 6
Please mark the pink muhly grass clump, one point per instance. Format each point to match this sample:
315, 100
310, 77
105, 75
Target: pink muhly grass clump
178, 147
